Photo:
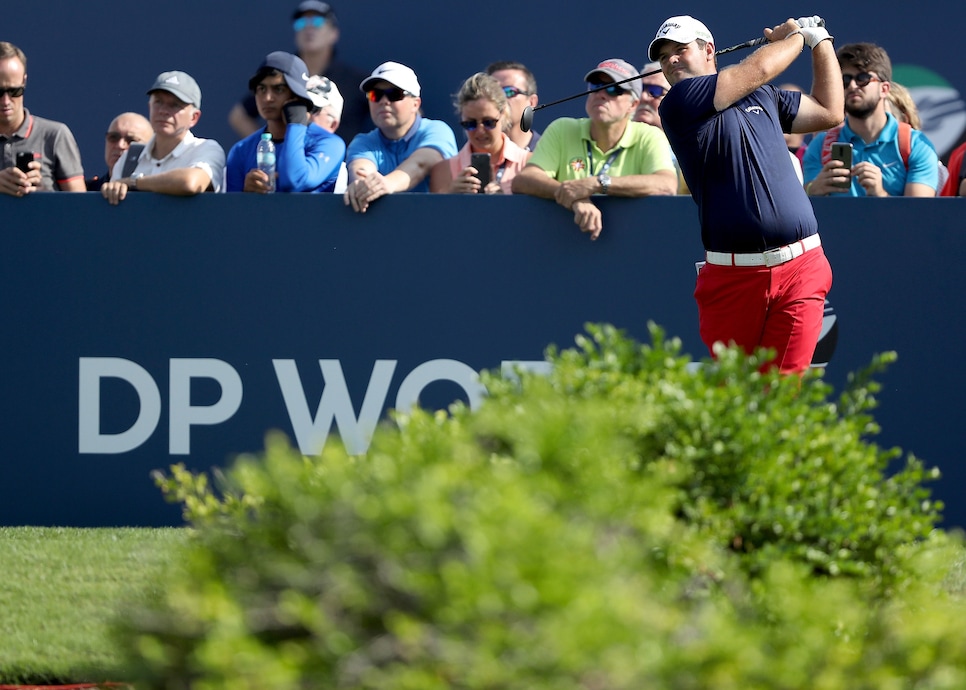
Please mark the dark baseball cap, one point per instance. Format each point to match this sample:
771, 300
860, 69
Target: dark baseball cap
292, 68
323, 8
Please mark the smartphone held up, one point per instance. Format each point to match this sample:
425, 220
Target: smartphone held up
481, 161
25, 158
842, 151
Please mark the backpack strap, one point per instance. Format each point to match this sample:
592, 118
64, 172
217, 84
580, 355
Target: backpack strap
831, 136
905, 142
131, 160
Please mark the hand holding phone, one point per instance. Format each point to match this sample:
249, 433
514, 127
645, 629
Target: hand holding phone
481, 161
843, 152
25, 158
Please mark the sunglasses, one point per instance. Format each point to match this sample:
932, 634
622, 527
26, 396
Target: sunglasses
654, 90
487, 122
611, 89
12, 91
393, 93
115, 137
512, 91
316, 22
862, 79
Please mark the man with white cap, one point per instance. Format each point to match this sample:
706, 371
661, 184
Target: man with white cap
604, 153
327, 104
308, 157
398, 154
174, 161
765, 277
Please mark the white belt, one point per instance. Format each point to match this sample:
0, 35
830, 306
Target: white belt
773, 257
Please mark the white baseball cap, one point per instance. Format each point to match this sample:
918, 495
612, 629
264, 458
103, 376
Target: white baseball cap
324, 93
680, 29
396, 74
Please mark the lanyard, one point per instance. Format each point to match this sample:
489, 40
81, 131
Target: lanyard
606, 166
500, 171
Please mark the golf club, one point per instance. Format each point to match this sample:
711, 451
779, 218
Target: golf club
526, 120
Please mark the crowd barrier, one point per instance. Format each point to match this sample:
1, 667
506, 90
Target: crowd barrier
173, 330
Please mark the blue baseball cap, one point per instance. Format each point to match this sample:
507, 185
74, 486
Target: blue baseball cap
292, 68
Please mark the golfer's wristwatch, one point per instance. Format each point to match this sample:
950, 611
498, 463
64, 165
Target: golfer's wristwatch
604, 180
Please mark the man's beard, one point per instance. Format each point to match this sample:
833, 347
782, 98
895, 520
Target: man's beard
861, 110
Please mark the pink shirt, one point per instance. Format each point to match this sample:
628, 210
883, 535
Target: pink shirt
511, 160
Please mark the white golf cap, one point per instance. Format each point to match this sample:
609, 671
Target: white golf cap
681, 29
394, 73
324, 93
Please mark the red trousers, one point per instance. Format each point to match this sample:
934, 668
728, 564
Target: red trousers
779, 308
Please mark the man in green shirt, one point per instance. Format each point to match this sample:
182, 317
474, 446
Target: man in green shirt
604, 153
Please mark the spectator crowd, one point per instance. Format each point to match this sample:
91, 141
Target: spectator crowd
326, 143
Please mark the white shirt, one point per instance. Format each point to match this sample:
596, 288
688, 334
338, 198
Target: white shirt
797, 164
192, 152
342, 182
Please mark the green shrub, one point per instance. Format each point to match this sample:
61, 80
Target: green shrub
625, 522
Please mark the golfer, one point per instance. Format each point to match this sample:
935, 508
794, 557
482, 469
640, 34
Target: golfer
765, 275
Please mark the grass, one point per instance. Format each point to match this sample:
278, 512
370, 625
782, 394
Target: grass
60, 590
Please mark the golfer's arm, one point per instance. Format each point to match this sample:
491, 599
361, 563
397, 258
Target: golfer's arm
761, 67
535, 182
825, 106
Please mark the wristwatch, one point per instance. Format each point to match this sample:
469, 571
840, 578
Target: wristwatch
604, 180
134, 180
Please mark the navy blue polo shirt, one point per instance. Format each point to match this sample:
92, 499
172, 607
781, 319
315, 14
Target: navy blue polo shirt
737, 167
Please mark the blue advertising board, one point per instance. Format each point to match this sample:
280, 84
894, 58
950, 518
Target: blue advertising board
173, 330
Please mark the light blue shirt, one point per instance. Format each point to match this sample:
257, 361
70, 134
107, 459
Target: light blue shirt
884, 154
388, 154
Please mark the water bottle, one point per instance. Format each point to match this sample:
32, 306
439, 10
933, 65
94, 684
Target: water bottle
265, 159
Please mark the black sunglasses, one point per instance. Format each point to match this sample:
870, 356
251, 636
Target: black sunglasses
488, 122
862, 79
654, 90
512, 91
393, 93
12, 91
115, 137
611, 89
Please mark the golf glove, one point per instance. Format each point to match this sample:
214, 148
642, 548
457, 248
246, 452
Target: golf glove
810, 22
814, 35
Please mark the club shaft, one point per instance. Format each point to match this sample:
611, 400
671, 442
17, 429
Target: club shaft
754, 43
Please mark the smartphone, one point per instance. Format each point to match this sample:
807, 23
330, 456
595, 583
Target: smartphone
843, 152
24, 158
481, 161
